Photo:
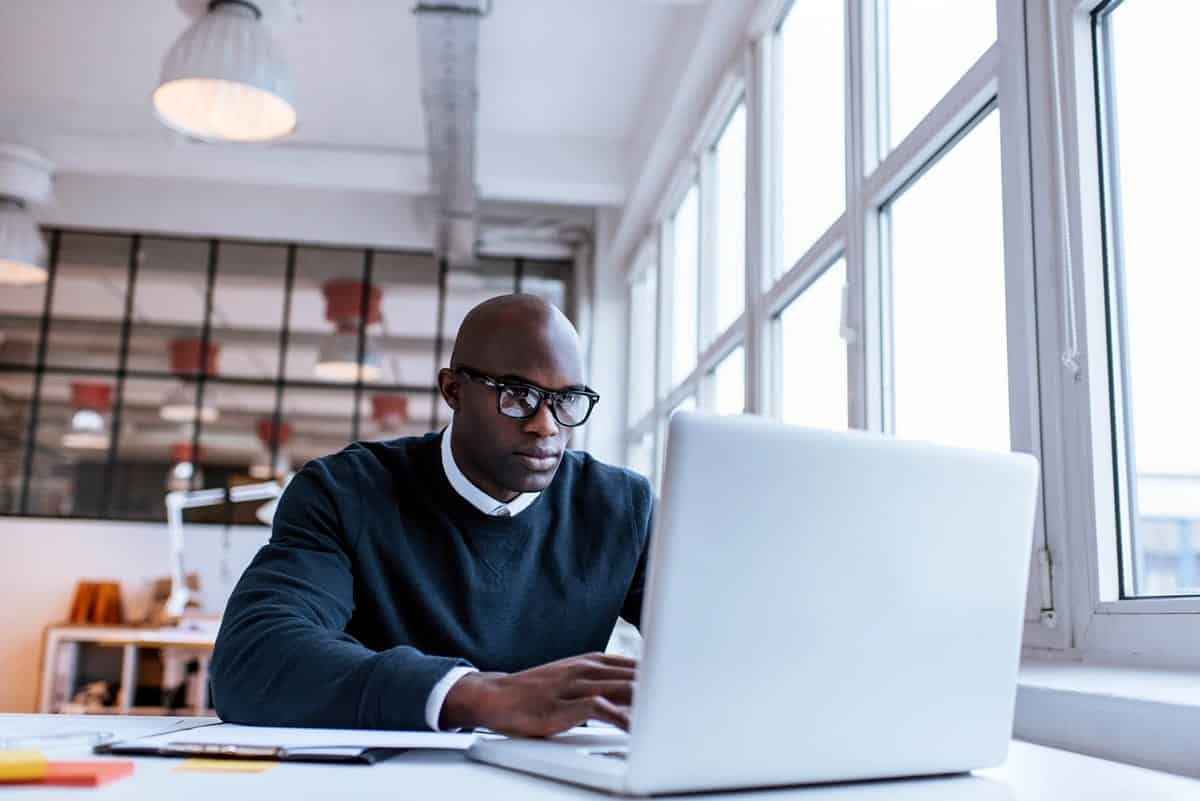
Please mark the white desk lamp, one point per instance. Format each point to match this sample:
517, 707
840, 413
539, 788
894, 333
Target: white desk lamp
179, 500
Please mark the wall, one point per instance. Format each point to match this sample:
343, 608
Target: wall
44, 558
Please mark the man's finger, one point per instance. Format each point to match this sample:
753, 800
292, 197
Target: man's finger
604, 673
607, 711
616, 660
619, 692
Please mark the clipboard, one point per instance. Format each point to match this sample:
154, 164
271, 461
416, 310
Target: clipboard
339, 755
283, 744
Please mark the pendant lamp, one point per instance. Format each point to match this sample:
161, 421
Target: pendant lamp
24, 178
225, 79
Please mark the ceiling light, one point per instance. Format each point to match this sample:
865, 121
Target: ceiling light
225, 79
179, 406
89, 426
339, 358
24, 178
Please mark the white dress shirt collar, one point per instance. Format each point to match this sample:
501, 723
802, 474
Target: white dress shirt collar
473, 494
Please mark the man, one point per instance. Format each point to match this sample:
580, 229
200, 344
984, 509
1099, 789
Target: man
462, 579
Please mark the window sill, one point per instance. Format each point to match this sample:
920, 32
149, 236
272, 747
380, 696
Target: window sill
1141, 716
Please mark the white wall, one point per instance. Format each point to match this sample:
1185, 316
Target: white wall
44, 558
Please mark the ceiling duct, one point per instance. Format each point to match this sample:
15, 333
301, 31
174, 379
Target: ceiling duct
448, 32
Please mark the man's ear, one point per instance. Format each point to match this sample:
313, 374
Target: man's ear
450, 386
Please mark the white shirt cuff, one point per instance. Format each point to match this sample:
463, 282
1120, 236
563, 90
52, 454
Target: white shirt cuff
437, 696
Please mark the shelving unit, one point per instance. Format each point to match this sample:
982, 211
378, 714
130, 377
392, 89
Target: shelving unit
60, 664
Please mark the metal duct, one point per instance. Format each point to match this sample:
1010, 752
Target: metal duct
448, 32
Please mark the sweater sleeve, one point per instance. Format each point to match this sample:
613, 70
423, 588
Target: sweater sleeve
631, 609
282, 655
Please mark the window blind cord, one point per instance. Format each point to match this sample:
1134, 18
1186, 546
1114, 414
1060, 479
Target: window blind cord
1070, 354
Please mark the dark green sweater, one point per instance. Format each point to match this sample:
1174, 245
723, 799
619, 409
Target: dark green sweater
379, 578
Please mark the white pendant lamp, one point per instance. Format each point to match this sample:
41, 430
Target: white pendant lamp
24, 178
225, 79
89, 426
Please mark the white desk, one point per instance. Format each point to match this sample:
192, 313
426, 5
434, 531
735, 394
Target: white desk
1032, 773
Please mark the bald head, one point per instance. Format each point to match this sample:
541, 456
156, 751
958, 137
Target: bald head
511, 341
519, 335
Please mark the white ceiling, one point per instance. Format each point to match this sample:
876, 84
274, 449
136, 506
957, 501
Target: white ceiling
562, 88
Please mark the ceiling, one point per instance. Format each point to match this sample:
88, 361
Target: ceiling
563, 85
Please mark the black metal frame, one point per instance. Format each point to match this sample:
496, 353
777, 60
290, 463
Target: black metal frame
280, 382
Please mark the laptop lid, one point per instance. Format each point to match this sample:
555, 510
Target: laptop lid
828, 606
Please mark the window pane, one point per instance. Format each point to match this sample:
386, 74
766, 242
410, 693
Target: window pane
641, 455
1153, 166
685, 298
950, 363
730, 383
812, 142
248, 305
731, 220
168, 307
70, 457
641, 344
88, 303
323, 341
921, 68
812, 361
16, 393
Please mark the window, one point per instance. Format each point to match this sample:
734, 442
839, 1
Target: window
729, 384
685, 278
173, 362
812, 354
1150, 163
948, 327
643, 299
730, 193
930, 43
811, 98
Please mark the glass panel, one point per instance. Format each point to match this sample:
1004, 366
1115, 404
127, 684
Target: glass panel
168, 304
21, 308
408, 317
248, 305
547, 280
950, 371
812, 141
1152, 163
642, 320
812, 362
147, 448
16, 392
640, 458
731, 220
89, 302
322, 421
685, 297
921, 69
70, 460
729, 383
311, 327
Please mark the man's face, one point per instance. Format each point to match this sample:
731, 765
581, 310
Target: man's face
510, 454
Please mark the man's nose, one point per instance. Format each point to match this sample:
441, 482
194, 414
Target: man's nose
542, 423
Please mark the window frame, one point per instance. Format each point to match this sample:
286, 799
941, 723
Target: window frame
1097, 623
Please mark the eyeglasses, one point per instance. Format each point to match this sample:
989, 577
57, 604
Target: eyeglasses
521, 401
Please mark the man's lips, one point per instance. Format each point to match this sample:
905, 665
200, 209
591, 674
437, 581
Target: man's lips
539, 461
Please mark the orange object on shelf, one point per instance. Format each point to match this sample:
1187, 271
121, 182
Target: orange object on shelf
97, 602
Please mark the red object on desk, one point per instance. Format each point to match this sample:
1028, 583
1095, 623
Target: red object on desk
84, 774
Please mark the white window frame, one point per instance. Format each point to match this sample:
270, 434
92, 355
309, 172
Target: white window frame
1073, 609
1096, 623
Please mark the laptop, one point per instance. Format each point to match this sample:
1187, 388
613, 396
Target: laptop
821, 607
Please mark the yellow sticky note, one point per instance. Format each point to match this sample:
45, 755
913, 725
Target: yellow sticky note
227, 765
22, 766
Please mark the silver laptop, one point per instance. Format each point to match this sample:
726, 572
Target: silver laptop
820, 607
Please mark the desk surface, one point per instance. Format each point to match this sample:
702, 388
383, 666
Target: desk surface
1031, 773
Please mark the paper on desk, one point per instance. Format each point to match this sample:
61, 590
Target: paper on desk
285, 737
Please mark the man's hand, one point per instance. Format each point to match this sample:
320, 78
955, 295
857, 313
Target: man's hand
545, 700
